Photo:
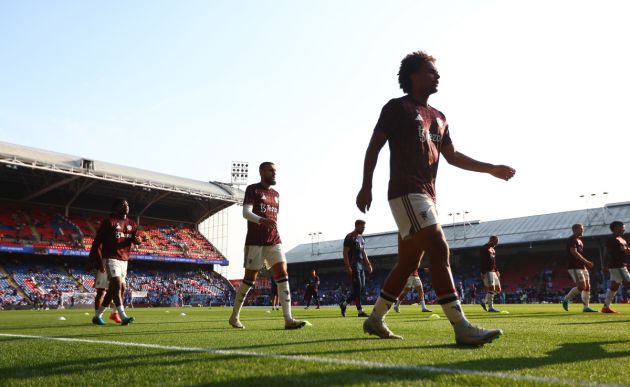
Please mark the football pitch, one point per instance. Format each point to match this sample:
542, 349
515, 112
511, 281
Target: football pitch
541, 345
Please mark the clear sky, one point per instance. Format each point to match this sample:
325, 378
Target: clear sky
184, 88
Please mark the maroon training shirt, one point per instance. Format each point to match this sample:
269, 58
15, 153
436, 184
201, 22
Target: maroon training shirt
617, 257
114, 239
574, 263
416, 135
487, 259
266, 202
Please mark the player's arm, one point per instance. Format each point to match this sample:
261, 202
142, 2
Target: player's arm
248, 213
462, 161
346, 259
364, 198
95, 250
367, 263
574, 251
606, 260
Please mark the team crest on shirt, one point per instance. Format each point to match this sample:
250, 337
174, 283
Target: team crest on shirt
128, 227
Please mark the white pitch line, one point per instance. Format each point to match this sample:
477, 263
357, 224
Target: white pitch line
329, 360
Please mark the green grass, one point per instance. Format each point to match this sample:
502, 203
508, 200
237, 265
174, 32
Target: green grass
539, 340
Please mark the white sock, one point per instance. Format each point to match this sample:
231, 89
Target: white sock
241, 294
285, 298
383, 305
610, 294
572, 293
454, 312
422, 303
121, 311
490, 300
99, 313
586, 295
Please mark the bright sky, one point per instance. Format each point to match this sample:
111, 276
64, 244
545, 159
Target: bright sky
184, 88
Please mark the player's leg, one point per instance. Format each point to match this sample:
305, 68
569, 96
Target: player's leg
360, 292
420, 291
117, 272
610, 295
495, 289
307, 297
114, 316
408, 260
401, 297
574, 291
316, 295
586, 292
276, 259
434, 242
249, 278
101, 301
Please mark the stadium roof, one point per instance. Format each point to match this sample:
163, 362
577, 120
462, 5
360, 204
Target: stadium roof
528, 229
40, 176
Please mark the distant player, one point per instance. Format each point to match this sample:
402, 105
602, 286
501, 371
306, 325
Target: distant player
312, 289
274, 295
578, 266
413, 282
356, 263
263, 247
489, 273
417, 134
111, 248
616, 263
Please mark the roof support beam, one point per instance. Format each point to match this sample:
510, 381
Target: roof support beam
156, 198
86, 184
50, 188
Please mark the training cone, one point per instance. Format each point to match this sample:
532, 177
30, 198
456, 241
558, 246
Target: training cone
166, 311
268, 311
505, 312
308, 324
434, 316
86, 313
182, 314
61, 318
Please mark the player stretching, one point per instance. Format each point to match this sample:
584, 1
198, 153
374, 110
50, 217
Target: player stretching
413, 281
263, 246
489, 273
111, 248
616, 255
356, 261
417, 134
578, 269
311, 289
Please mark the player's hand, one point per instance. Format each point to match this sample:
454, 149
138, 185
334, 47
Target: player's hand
268, 222
369, 270
349, 271
589, 264
502, 172
364, 199
498, 274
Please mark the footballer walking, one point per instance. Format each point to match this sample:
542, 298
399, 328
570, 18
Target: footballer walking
578, 266
263, 247
417, 134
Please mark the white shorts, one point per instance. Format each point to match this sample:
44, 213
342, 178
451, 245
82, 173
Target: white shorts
413, 281
257, 257
619, 275
491, 279
413, 212
116, 268
579, 275
100, 280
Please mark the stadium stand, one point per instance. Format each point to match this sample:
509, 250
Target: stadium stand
51, 206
